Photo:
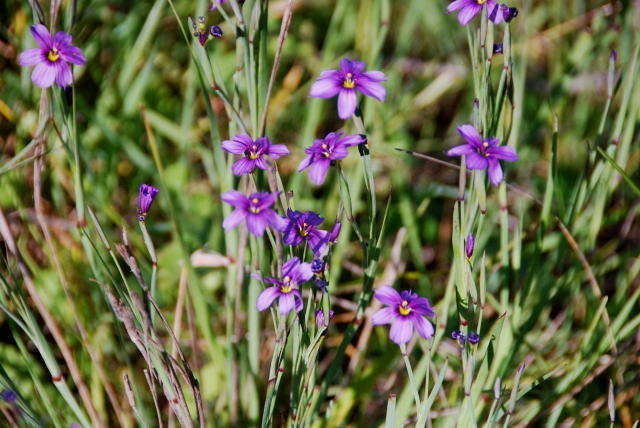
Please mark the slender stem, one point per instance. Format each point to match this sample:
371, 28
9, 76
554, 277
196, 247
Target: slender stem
414, 387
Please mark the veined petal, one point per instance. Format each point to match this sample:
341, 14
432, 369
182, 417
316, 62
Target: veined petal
277, 150
384, 316
234, 146
234, 219
346, 103
350, 140
506, 153
30, 57
371, 89
423, 327
325, 88
62, 39
275, 221
375, 75
468, 13
318, 171
305, 163
476, 161
44, 75
256, 223
243, 166
457, 5
388, 296
297, 296
235, 198
495, 171
73, 54
41, 35
303, 273
266, 298
286, 303
63, 74
462, 149
470, 134
290, 265
401, 331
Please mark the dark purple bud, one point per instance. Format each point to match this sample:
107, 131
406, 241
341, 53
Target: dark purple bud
458, 336
202, 38
498, 48
335, 232
321, 321
474, 338
322, 284
8, 396
146, 197
614, 55
476, 103
317, 266
469, 244
509, 13
216, 31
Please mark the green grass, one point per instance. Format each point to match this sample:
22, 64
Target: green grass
552, 287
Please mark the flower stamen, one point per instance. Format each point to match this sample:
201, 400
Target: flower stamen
404, 309
349, 83
53, 55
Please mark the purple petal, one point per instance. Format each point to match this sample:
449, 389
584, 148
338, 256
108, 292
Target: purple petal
30, 57
346, 103
423, 327
73, 54
266, 298
384, 316
401, 331
462, 149
297, 296
62, 39
350, 140
305, 163
290, 265
261, 163
388, 296
468, 13
44, 75
233, 219
375, 75
318, 171
505, 153
277, 150
371, 89
351, 65
457, 5
243, 166
495, 171
476, 161
63, 76
256, 223
286, 303
275, 221
303, 272
325, 88
470, 133
235, 198
494, 12
42, 36
234, 146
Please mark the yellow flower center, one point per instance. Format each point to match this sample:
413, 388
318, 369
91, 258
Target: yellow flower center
485, 144
481, 1
286, 289
255, 209
253, 155
404, 309
53, 55
348, 81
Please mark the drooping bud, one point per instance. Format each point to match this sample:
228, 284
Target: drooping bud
145, 199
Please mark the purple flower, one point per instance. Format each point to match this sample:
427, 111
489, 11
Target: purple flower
255, 209
253, 152
483, 153
469, 244
8, 396
406, 311
325, 151
468, 9
203, 34
345, 82
285, 288
474, 338
301, 227
51, 58
145, 198
321, 320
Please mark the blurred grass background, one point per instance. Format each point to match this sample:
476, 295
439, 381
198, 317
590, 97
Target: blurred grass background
136, 56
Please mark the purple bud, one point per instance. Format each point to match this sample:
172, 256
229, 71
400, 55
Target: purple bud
335, 232
459, 336
322, 284
216, 31
614, 55
321, 321
8, 396
476, 103
469, 245
509, 13
317, 266
498, 48
146, 197
474, 338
